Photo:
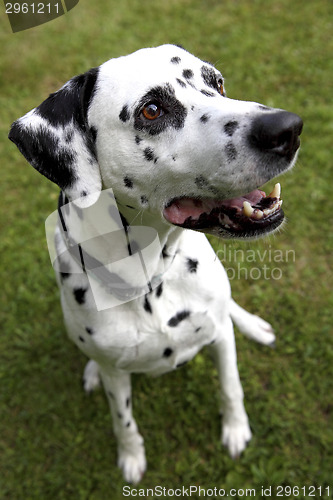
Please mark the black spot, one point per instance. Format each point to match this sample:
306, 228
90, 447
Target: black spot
164, 252
64, 270
188, 74
175, 60
181, 83
79, 294
147, 306
230, 128
167, 352
174, 116
177, 318
138, 139
124, 114
89, 330
128, 182
81, 339
159, 290
144, 200
197, 329
64, 275
231, 151
119, 415
204, 118
201, 182
128, 424
149, 154
128, 402
192, 265
209, 77
207, 93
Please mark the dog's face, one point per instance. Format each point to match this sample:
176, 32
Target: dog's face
156, 127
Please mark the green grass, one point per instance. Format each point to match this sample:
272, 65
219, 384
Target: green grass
57, 443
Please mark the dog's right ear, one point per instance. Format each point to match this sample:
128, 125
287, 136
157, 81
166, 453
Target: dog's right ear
56, 139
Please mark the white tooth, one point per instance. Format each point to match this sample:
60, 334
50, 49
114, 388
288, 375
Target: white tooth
274, 208
269, 211
247, 209
258, 214
276, 193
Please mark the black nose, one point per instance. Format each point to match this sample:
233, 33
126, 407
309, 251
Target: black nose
277, 132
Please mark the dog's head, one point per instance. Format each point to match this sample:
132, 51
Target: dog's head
157, 127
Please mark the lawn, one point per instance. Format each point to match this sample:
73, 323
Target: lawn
56, 442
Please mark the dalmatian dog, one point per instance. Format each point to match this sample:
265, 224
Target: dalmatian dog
153, 135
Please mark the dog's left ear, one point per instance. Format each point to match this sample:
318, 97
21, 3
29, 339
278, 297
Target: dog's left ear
56, 139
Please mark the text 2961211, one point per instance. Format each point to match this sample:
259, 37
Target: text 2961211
32, 8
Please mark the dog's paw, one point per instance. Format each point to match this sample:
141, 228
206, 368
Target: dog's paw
252, 326
91, 378
133, 464
256, 329
261, 331
236, 436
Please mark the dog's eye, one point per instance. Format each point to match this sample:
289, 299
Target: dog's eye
220, 87
152, 111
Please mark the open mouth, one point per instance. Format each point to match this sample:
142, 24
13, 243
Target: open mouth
251, 215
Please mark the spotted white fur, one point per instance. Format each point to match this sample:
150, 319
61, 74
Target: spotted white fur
91, 135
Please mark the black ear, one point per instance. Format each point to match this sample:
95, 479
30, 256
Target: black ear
56, 139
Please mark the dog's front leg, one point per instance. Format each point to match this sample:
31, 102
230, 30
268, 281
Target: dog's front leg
131, 452
235, 426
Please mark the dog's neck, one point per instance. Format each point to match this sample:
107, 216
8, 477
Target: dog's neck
161, 243
116, 240
168, 236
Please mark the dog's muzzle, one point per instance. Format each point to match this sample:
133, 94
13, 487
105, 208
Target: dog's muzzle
275, 135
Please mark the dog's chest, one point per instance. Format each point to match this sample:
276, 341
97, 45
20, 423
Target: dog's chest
159, 331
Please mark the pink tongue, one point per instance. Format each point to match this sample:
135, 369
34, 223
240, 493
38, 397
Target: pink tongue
182, 208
